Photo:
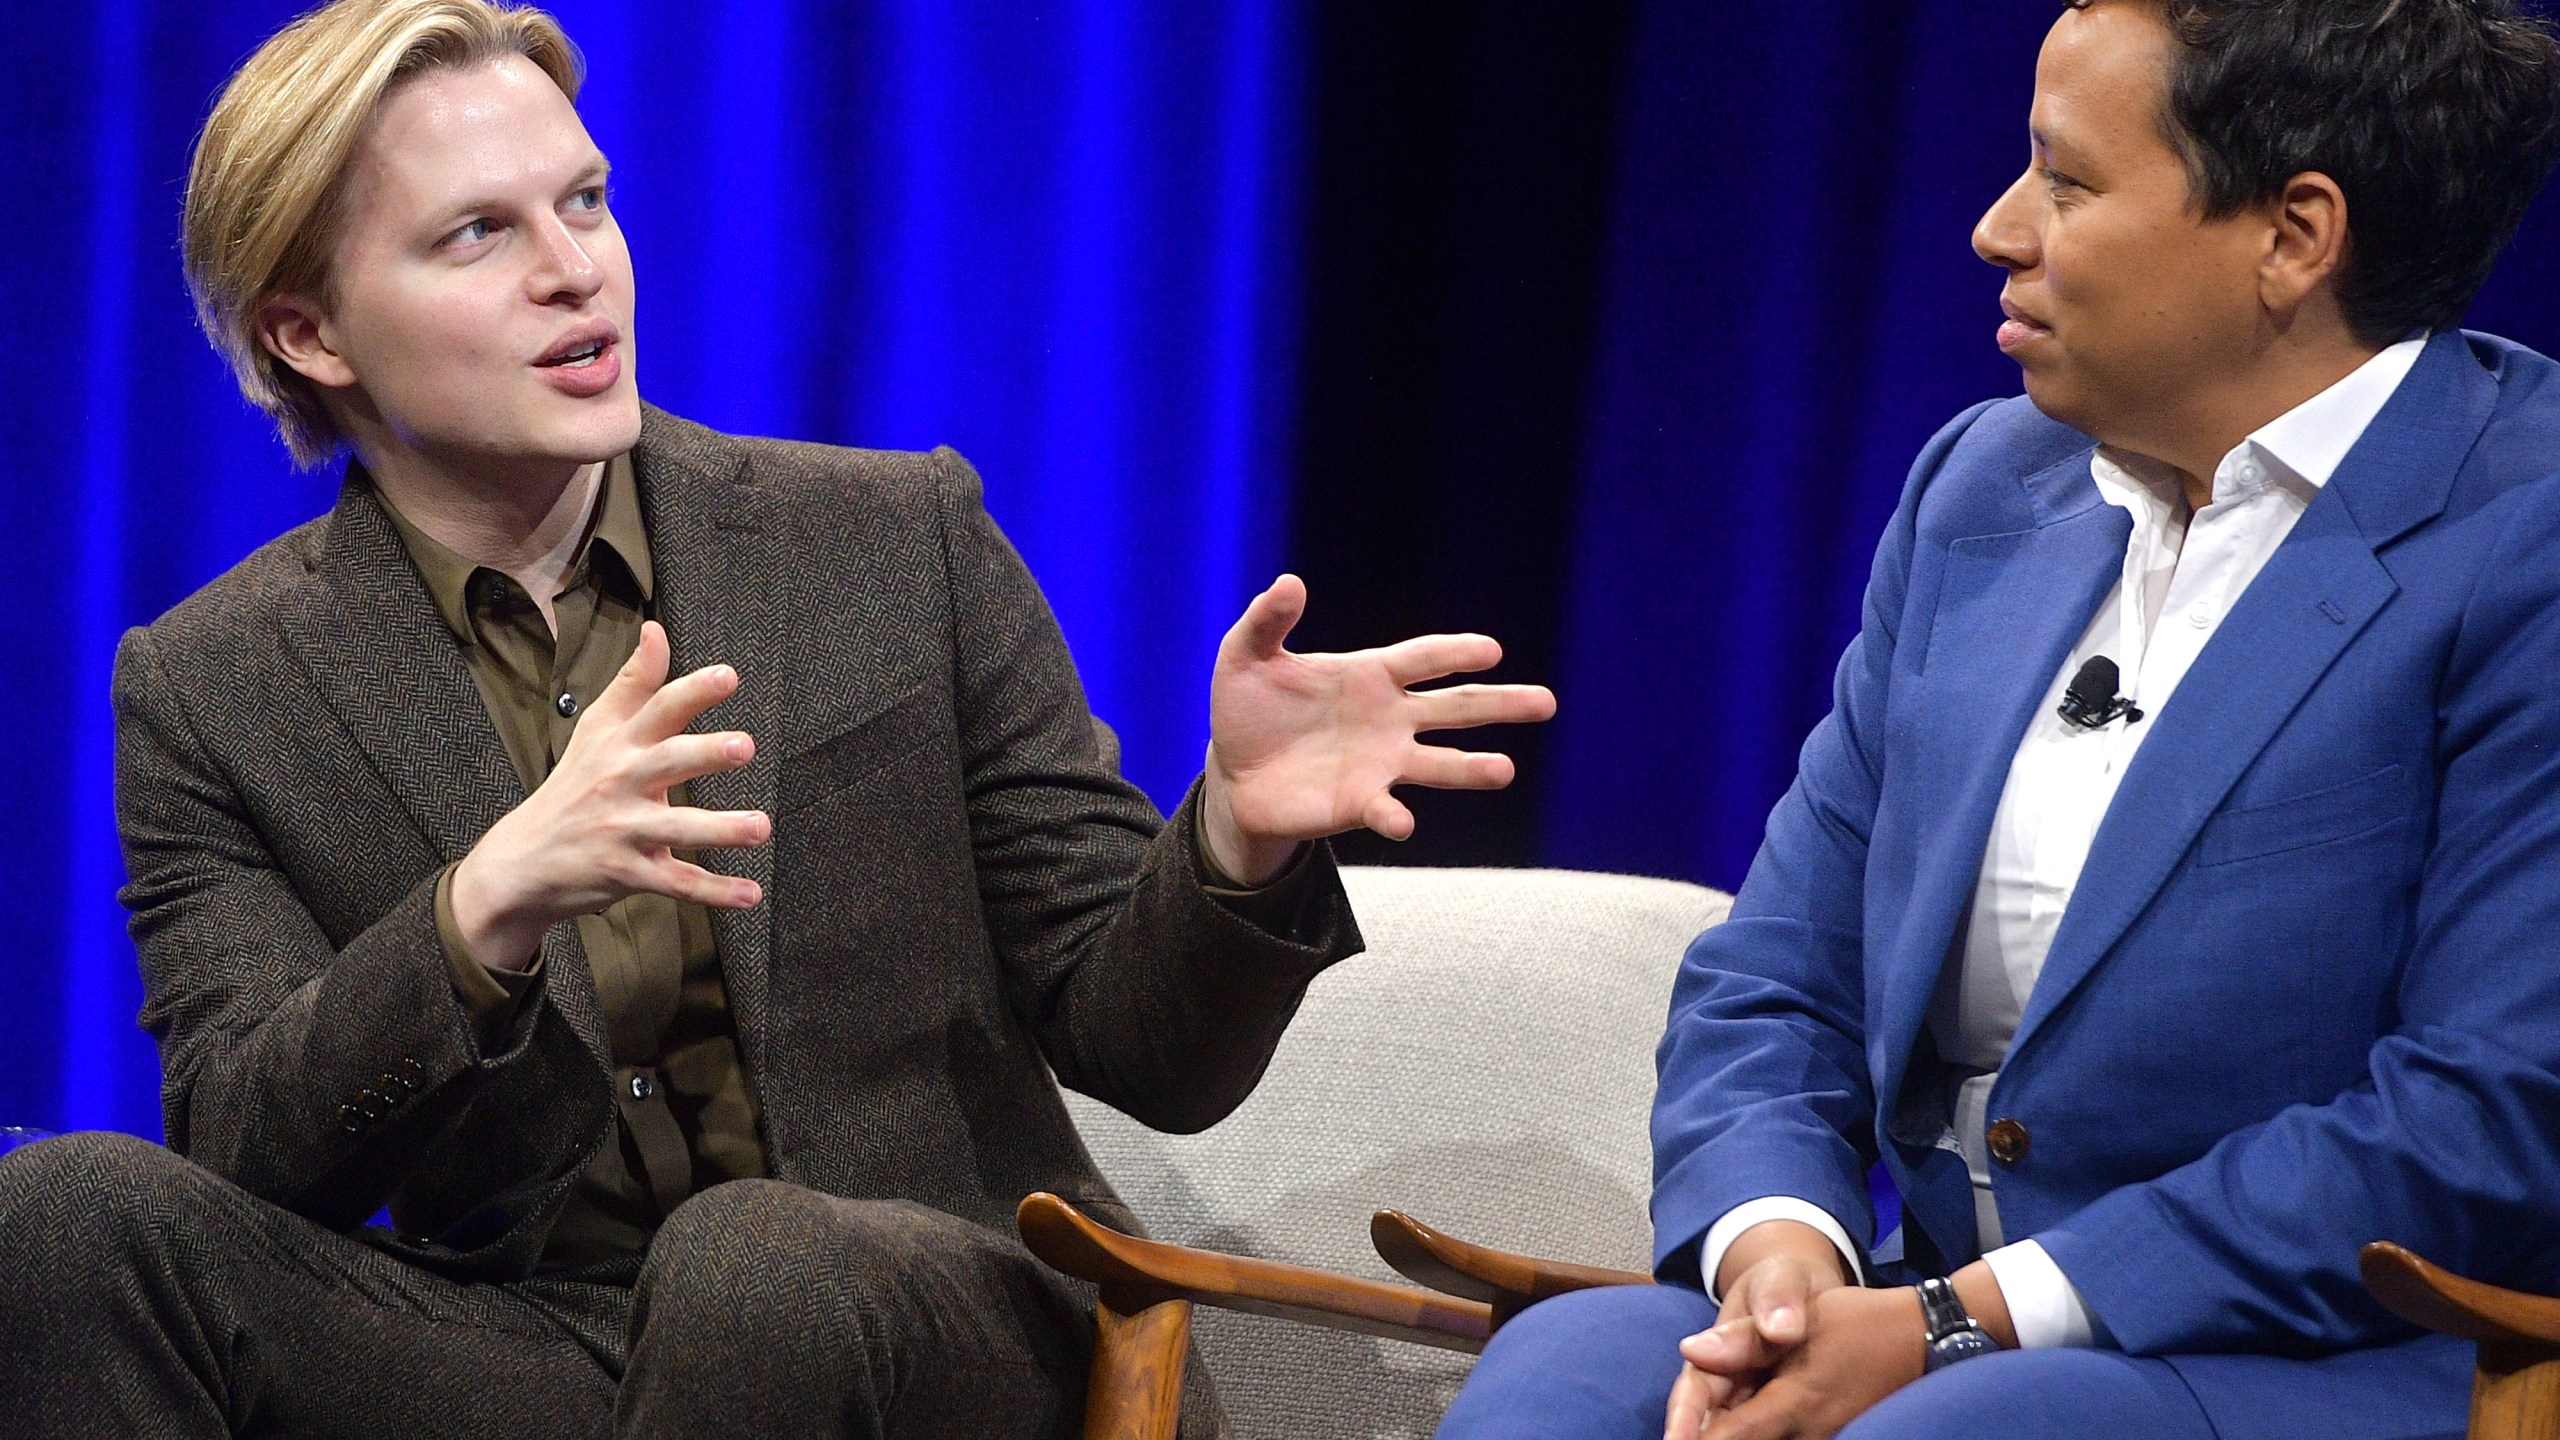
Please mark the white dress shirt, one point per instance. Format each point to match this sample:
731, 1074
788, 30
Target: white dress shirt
2182, 574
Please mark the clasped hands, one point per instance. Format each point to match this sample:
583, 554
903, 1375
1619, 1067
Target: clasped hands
1797, 1351
1301, 747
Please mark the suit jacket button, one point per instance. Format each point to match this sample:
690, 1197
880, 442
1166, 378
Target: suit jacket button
642, 1087
2008, 1141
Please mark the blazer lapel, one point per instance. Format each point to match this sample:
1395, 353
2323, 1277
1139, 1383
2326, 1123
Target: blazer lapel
2318, 591
369, 637
720, 593
2011, 607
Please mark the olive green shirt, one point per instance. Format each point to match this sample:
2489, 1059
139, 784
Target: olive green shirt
687, 1109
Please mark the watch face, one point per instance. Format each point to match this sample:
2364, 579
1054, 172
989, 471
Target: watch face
1964, 1344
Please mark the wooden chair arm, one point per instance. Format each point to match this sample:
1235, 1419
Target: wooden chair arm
1136, 1273
2440, 1300
1506, 1282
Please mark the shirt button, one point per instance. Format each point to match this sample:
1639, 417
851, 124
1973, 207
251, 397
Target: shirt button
642, 1087
2249, 472
567, 704
2200, 614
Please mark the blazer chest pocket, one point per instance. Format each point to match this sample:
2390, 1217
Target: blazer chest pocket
857, 752
2339, 812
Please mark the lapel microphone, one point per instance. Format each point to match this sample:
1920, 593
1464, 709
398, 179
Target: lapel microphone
2090, 700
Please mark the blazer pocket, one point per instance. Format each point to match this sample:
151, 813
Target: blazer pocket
2340, 812
855, 753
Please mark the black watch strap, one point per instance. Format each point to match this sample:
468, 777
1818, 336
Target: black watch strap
1943, 1309
1953, 1334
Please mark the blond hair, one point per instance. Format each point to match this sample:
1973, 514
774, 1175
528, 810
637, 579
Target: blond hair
267, 192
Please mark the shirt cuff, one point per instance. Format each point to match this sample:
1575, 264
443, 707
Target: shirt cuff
489, 998
1722, 1234
1271, 908
2044, 1306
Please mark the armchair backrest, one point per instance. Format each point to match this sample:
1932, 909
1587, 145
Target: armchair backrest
1486, 1067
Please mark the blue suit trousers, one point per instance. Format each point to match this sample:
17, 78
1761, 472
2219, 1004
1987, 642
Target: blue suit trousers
1598, 1365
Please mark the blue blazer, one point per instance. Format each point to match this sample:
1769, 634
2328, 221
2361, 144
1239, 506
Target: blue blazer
2307, 993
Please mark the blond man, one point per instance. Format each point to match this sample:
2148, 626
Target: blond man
696, 1032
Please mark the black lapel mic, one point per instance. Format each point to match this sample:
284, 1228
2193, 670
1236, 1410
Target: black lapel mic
2090, 700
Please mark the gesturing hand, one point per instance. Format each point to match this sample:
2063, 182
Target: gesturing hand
1305, 746
599, 828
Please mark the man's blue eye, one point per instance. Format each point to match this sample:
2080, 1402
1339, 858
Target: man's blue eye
475, 232
591, 198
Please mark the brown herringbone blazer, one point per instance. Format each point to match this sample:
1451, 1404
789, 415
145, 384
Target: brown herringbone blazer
961, 893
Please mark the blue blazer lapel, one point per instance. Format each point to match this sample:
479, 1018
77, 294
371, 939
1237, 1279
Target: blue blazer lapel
2316, 594
2011, 607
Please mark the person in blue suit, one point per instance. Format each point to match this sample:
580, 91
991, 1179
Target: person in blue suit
2171, 900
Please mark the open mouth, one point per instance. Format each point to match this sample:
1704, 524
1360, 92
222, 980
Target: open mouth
577, 359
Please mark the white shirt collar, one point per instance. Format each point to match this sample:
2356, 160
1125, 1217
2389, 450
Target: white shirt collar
2307, 442
2312, 438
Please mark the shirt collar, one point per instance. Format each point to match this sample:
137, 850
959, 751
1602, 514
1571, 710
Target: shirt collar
2312, 439
617, 525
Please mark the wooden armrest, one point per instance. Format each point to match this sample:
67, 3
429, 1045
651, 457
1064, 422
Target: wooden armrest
2442, 1301
1136, 1273
1508, 1283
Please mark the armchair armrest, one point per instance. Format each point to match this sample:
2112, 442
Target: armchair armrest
2515, 1388
1506, 1282
1136, 1274
2442, 1301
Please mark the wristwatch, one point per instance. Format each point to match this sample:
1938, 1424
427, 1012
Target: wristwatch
1953, 1334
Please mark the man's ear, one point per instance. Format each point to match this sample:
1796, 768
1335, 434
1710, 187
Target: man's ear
294, 331
2308, 242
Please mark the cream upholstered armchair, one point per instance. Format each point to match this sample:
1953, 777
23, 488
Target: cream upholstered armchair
1486, 1066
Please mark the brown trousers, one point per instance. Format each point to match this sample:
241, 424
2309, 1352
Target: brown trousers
142, 1295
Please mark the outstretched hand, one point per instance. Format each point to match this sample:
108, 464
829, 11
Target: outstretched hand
599, 829
1305, 746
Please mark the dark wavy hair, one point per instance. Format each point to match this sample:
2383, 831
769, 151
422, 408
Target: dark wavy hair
2440, 119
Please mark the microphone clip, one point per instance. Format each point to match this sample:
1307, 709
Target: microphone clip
2090, 701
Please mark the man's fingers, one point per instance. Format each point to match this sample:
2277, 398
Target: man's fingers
1462, 707
684, 880
1690, 1405
1778, 1305
1442, 768
637, 680
687, 827
1773, 1413
1387, 815
681, 700
1267, 621
1428, 657
1732, 1348
679, 758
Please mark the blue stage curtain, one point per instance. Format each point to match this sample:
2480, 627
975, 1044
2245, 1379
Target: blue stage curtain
1059, 237
1067, 238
